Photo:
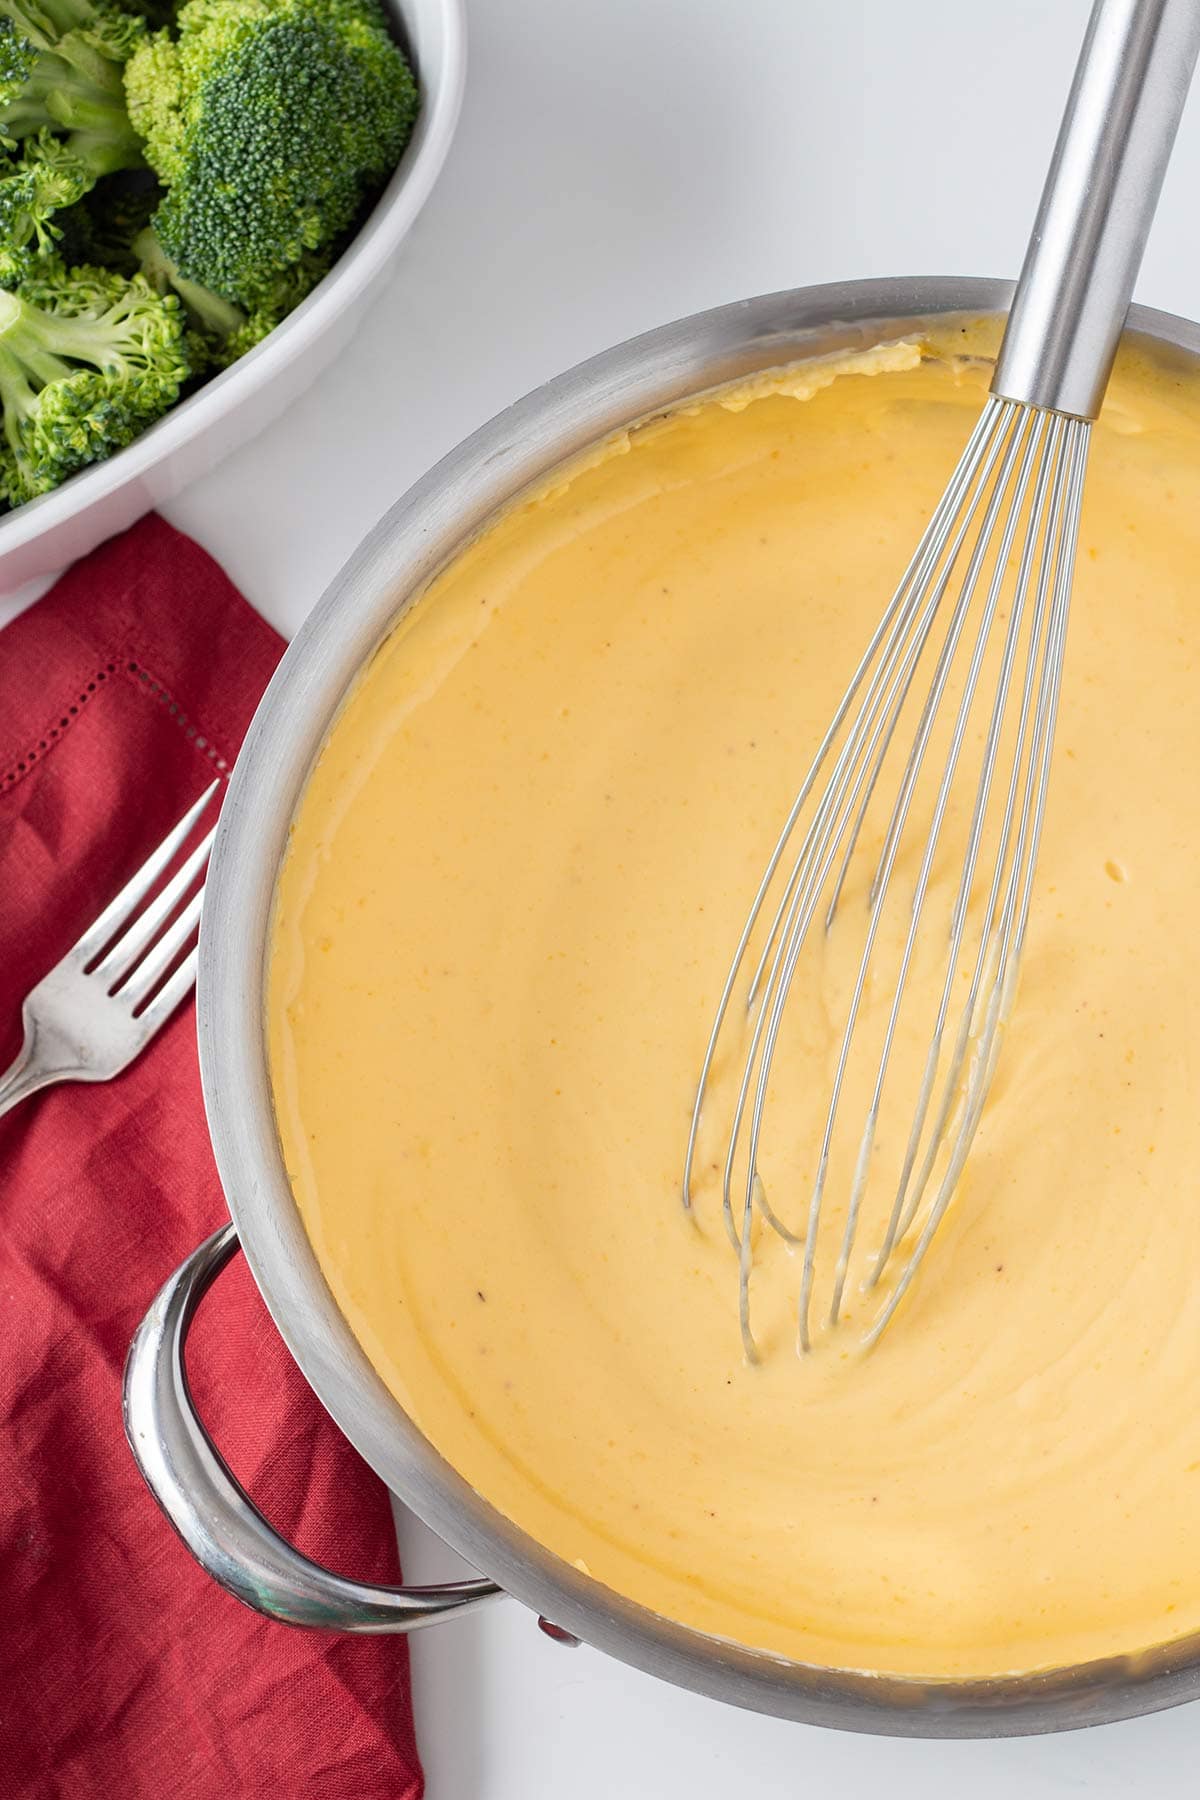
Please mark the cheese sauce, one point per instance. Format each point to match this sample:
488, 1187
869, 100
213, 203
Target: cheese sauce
512, 888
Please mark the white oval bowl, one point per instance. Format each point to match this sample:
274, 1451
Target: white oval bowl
46, 534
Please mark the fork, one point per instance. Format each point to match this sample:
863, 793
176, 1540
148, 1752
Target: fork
100, 1006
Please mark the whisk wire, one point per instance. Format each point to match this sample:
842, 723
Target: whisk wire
873, 728
1022, 465
906, 1204
929, 551
1015, 917
1026, 446
1016, 455
934, 534
878, 711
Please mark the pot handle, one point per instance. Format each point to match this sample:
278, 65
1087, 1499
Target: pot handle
217, 1521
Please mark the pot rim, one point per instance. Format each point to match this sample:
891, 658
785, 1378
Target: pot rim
413, 539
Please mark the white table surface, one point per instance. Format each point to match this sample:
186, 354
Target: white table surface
619, 163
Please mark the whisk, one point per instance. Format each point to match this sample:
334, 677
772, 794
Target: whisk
917, 826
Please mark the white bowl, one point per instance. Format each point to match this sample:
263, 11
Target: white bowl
48, 533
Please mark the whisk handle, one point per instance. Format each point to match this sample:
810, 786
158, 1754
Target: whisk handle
1100, 194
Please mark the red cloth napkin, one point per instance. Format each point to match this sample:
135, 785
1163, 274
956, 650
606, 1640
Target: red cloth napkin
123, 1670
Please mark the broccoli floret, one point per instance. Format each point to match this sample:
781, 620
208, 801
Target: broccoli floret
60, 70
209, 311
222, 331
270, 122
17, 57
88, 360
276, 298
34, 187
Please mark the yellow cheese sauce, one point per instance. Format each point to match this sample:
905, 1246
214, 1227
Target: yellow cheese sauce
512, 889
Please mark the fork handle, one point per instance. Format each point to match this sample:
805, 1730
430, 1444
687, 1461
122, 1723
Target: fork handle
24, 1076
1069, 308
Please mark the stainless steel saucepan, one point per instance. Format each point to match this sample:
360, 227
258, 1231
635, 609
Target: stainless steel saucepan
191, 1483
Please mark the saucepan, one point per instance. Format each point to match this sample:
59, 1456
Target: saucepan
212, 1515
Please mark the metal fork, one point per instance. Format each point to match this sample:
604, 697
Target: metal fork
100, 1006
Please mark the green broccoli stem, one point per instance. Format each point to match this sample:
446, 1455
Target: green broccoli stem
87, 103
218, 317
43, 21
75, 85
64, 15
49, 345
25, 366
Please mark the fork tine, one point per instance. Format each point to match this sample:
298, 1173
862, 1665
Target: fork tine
170, 994
119, 910
158, 959
129, 947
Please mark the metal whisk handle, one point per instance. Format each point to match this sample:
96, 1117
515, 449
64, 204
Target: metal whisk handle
1103, 186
